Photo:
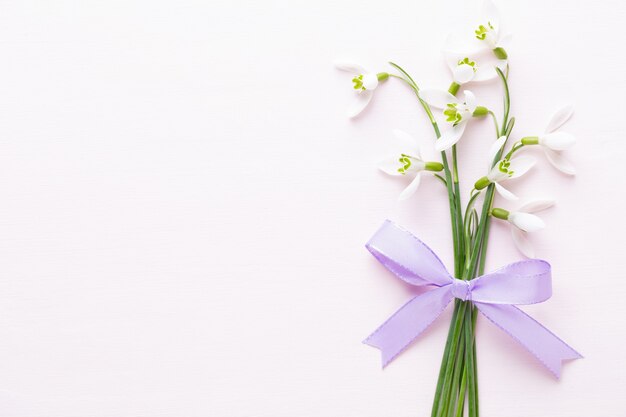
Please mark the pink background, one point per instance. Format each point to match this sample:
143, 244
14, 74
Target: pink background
183, 207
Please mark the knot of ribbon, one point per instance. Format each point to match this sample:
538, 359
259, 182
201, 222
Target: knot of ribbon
495, 295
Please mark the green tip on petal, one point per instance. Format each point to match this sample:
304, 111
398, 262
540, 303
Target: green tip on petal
500, 53
452, 114
358, 82
504, 167
481, 32
467, 61
406, 164
500, 213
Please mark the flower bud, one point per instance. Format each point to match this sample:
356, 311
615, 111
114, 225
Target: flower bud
382, 76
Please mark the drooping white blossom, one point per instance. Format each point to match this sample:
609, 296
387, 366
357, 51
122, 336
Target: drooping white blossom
405, 160
522, 222
484, 34
457, 114
553, 142
364, 84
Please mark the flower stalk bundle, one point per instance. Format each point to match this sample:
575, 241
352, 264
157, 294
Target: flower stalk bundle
483, 57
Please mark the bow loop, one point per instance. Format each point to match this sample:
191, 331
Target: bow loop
525, 282
407, 257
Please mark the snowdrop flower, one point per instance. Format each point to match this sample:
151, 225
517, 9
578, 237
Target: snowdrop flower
504, 169
406, 160
523, 222
465, 69
487, 34
457, 113
364, 84
553, 142
489, 31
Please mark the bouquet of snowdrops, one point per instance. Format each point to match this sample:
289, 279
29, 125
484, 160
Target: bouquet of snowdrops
473, 56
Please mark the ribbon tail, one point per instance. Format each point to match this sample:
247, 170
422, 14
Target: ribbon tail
406, 324
541, 342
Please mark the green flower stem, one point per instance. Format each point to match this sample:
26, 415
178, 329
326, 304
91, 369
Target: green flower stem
460, 405
507, 97
458, 260
495, 120
444, 360
459, 367
447, 364
470, 357
516, 147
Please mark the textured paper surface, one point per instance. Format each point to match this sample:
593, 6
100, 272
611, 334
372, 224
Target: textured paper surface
183, 208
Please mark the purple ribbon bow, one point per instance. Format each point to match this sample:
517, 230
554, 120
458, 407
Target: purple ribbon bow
494, 294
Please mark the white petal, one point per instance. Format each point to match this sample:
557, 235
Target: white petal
495, 147
506, 194
560, 117
558, 141
437, 98
463, 73
491, 14
560, 163
360, 101
348, 65
495, 175
505, 42
410, 190
522, 243
470, 100
390, 165
450, 137
485, 73
370, 81
407, 143
525, 221
537, 205
521, 165
456, 44
452, 58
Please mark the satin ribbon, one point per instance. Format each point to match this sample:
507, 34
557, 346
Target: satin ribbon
494, 294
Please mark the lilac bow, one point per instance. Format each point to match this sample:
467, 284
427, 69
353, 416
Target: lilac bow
494, 294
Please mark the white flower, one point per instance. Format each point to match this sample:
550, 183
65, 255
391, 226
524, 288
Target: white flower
364, 84
523, 222
487, 34
553, 142
466, 68
504, 169
463, 70
406, 160
457, 114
